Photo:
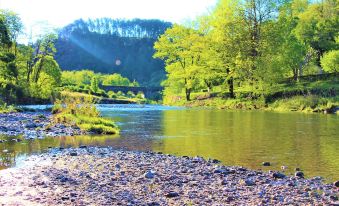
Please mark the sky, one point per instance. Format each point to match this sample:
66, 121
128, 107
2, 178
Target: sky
42, 15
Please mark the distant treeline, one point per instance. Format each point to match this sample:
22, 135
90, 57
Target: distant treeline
113, 46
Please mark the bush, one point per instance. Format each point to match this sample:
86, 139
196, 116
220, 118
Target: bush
112, 95
305, 103
140, 95
4, 108
130, 94
79, 110
330, 61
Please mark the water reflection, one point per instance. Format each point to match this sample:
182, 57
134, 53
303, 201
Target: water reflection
308, 141
249, 138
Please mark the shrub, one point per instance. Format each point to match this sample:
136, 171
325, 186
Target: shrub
79, 110
112, 95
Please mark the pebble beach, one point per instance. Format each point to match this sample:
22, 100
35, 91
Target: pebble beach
105, 176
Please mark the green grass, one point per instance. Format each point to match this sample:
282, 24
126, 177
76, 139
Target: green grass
4, 108
97, 125
305, 104
79, 110
316, 96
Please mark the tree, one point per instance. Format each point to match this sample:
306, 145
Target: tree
182, 55
42, 57
95, 84
14, 25
228, 39
330, 61
318, 27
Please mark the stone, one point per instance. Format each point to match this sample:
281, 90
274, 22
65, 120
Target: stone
31, 125
83, 146
224, 182
64, 198
278, 175
229, 199
73, 154
266, 164
117, 166
249, 183
153, 204
299, 174
172, 194
220, 171
150, 174
215, 161
336, 183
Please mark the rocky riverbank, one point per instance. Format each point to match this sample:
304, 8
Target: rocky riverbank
33, 125
103, 176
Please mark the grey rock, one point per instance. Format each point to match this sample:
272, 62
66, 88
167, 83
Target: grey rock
172, 194
249, 182
150, 174
73, 154
278, 175
299, 174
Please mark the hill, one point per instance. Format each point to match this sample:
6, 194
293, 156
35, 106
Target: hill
113, 46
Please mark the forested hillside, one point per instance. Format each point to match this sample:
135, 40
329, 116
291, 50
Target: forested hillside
113, 46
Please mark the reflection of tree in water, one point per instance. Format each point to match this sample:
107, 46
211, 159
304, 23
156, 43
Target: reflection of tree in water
11, 151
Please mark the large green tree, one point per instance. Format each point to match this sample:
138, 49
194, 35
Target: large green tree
318, 27
180, 48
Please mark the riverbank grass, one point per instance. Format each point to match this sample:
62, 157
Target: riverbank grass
80, 111
310, 103
4, 108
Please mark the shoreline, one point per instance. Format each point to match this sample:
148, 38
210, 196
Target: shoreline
105, 176
32, 125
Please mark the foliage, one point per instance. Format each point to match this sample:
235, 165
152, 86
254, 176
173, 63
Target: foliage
113, 46
244, 49
181, 50
305, 103
4, 108
26, 72
80, 110
330, 61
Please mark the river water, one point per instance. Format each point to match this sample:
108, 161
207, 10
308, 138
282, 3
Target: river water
244, 138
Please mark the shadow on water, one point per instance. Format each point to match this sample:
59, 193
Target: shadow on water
246, 138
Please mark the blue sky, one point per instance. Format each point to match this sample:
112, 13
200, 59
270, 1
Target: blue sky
41, 15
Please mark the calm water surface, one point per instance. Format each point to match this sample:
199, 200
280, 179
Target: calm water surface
245, 138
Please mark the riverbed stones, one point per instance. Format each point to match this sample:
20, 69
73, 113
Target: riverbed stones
336, 184
299, 174
278, 175
95, 180
73, 154
150, 174
172, 194
32, 125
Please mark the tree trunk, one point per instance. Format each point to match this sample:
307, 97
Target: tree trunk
188, 94
230, 83
295, 74
39, 69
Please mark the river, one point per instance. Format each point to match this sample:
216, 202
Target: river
244, 138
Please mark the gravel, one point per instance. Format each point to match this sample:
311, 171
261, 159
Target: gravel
32, 125
104, 176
